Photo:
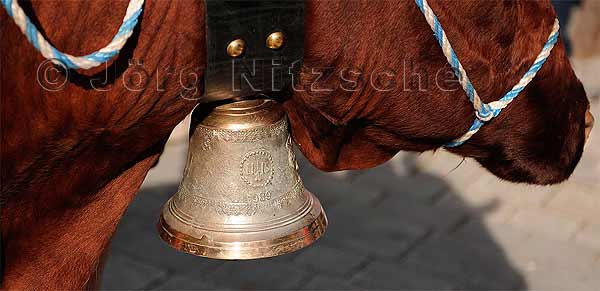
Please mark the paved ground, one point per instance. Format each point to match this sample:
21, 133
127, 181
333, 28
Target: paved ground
413, 223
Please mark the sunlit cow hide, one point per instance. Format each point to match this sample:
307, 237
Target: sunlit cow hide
75, 147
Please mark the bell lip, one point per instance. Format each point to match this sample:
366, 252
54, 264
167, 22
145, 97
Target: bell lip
298, 239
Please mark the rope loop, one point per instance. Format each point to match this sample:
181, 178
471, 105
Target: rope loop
485, 113
103, 55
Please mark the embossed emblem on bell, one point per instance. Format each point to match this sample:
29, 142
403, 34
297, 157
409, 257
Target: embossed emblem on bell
241, 196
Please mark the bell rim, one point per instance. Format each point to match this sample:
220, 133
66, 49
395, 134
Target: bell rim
301, 238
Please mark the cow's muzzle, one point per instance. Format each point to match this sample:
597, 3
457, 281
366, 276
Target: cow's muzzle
589, 123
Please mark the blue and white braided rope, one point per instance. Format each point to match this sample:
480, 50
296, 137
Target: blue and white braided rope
484, 112
84, 62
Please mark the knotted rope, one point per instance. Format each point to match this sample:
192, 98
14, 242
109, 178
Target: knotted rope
483, 111
84, 62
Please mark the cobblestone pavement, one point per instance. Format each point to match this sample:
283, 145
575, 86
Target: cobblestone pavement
416, 222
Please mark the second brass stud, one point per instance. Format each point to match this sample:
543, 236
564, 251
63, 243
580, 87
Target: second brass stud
275, 40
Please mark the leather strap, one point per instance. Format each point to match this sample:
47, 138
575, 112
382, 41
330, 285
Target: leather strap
260, 70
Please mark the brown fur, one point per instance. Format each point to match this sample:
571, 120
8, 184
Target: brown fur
537, 139
73, 159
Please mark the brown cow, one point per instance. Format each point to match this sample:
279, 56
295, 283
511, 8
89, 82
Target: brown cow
74, 156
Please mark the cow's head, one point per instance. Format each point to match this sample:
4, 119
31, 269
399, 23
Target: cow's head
540, 138
375, 82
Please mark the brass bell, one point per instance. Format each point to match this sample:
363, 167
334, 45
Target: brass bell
241, 196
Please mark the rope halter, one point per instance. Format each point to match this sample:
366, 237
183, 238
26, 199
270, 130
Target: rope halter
484, 112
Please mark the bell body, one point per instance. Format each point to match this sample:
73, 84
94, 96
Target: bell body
241, 196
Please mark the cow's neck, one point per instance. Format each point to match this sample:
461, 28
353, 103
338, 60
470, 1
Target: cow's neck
349, 43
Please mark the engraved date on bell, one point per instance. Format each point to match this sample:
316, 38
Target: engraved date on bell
256, 168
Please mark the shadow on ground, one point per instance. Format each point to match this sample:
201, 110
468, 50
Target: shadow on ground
389, 229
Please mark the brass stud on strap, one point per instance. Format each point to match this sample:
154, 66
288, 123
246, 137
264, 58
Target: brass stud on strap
275, 40
236, 47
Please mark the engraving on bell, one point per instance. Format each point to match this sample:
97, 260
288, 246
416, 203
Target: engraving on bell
241, 196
